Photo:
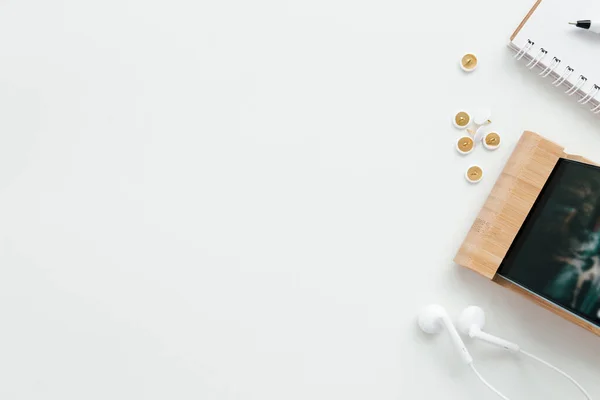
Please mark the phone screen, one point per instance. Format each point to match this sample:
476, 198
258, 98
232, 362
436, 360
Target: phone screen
556, 253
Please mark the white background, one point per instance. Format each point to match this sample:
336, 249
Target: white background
253, 199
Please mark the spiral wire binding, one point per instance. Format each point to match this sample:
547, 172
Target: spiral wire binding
578, 85
562, 75
591, 94
550, 68
565, 75
524, 50
539, 57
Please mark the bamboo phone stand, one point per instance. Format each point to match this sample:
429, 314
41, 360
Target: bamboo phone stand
505, 210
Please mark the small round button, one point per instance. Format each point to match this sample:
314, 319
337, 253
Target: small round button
491, 141
468, 62
474, 174
465, 145
461, 119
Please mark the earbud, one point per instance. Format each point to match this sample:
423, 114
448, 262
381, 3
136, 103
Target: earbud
472, 320
433, 319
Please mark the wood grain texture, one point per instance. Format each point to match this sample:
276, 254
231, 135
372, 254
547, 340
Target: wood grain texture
505, 210
508, 204
522, 24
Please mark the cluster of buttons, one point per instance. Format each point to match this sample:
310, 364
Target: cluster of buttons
479, 133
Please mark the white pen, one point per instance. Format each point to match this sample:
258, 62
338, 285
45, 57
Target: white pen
587, 24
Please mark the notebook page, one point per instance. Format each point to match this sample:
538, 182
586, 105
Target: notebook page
548, 27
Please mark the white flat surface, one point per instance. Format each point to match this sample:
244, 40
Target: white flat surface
251, 200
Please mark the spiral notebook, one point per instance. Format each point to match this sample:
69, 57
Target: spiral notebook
566, 56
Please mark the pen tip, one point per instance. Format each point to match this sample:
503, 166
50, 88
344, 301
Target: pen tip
572, 23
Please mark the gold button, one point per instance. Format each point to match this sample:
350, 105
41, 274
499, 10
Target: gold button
465, 144
468, 62
491, 141
462, 119
474, 174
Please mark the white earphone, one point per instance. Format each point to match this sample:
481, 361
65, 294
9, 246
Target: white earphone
470, 323
433, 318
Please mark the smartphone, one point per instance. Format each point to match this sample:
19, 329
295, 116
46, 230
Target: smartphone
556, 253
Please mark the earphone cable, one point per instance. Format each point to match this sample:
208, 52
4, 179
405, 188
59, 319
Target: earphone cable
547, 364
486, 383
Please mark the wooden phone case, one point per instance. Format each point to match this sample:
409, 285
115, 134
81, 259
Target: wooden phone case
505, 210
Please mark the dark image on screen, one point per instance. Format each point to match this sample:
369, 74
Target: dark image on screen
557, 251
